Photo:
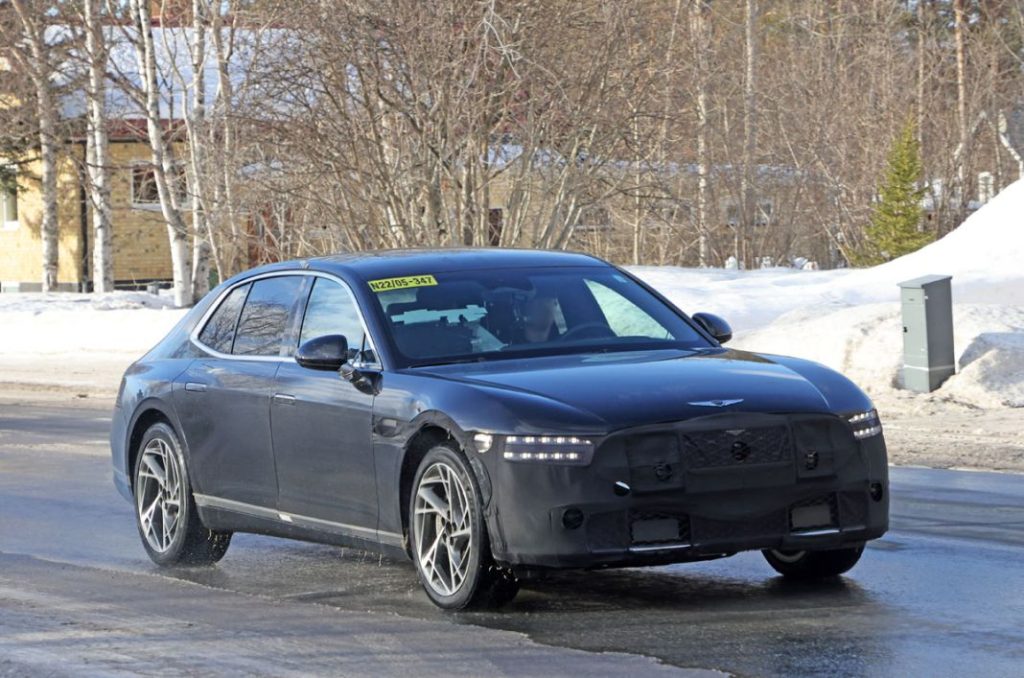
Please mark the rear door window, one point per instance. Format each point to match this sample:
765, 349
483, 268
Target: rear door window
266, 317
219, 331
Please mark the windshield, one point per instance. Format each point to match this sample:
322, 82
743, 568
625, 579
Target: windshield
511, 313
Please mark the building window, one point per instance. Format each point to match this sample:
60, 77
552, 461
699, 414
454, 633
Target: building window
495, 225
732, 215
594, 218
8, 198
763, 215
144, 190
986, 187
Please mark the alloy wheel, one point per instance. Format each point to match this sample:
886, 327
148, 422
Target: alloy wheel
443, 522
159, 495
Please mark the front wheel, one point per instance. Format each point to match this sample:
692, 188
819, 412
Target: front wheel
809, 565
165, 510
449, 538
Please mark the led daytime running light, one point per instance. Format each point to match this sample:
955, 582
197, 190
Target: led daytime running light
557, 449
865, 424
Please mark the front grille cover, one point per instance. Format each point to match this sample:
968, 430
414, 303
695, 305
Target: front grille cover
737, 446
727, 478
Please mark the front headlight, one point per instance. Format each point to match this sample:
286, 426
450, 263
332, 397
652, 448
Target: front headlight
865, 424
548, 449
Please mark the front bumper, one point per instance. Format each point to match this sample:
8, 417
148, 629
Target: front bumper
697, 490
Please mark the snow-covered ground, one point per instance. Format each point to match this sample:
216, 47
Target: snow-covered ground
850, 319
846, 319
78, 342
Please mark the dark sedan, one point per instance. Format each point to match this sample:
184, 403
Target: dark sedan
490, 414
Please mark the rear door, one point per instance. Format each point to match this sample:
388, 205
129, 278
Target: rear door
224, 401
322, 424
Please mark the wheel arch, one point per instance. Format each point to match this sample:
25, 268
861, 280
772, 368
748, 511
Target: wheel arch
148, 412
428, 436
431, 429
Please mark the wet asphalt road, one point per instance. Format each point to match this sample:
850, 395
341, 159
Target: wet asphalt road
941, 594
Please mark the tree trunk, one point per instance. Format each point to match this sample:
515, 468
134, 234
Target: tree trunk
747, 216
98, 151
961, 103
230, 263
197, 151
49, 228
921, 71
162, 156
39, 70
699, 27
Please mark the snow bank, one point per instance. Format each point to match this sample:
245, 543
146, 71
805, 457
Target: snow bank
850, 320
985, 256
75, 324
865, 343
79, 341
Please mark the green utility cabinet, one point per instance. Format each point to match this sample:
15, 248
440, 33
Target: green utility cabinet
927, 332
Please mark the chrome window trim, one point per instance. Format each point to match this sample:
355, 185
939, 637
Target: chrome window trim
194, 335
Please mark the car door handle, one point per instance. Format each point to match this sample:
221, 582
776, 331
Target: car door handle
195, 387
284, 398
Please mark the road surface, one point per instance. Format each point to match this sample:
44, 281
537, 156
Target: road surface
941, 594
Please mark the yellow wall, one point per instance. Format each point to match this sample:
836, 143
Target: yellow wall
140, 247
21, 248
141, 250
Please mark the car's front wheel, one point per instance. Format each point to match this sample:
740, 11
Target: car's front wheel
165, 510
809, 565
449, 537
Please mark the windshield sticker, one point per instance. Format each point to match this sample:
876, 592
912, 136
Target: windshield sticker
387, 284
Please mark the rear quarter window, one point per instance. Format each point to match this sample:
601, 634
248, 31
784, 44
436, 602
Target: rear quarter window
219, 331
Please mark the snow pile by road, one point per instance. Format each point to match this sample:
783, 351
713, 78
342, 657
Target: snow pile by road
850, 320
79, 341
70, 325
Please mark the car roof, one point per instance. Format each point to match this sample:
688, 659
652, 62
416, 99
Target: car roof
386, 263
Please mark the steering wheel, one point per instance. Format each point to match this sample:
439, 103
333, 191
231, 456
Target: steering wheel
592, 330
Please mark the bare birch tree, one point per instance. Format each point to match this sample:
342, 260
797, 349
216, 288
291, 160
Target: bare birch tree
98, 147
36, 60
165, 169
701, 48
744, 229
962, 149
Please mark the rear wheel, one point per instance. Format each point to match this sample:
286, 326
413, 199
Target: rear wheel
449, 538
809, 565
165, 511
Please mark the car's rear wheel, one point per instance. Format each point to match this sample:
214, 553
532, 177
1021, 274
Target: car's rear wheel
449, 538
809, 565
165, 510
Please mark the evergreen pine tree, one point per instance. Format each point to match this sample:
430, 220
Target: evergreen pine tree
895, 227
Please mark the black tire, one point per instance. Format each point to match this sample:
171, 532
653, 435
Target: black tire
484, 584
811, 565
191, 542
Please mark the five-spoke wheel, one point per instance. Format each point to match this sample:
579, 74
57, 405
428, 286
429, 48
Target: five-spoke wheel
444, 541
165, 510
158, 494
449, 538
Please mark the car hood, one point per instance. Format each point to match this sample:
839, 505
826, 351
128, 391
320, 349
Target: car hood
627, 389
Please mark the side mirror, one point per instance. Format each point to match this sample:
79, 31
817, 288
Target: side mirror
715, 326
328, 352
